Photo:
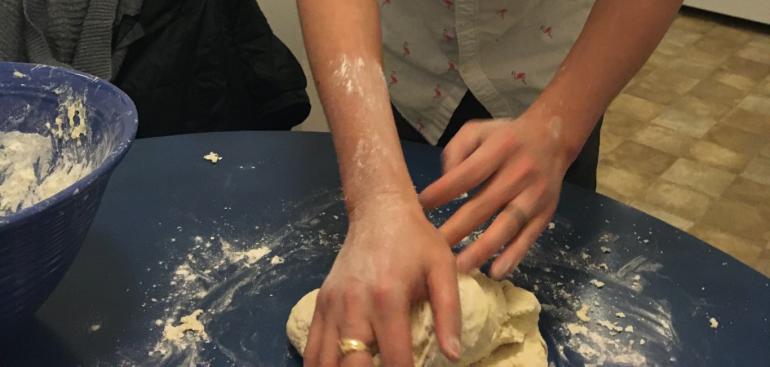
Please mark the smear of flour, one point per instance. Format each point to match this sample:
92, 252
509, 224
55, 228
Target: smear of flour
189, 325
34, 167
31, 171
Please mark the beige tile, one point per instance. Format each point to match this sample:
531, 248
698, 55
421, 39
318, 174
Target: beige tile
621, 181
737, 140
692, 23
758, 170
763, 263
685, 123
745, 67
743, 249
718, 156
698, 176
662, 86
695, 63
678, 200
620, 123
663, 139
757, 104
610, 193
712, 91
729, 33
716, 45
681, 37
763, 87
640, 159
660, 59
738, 81
748, 192
756, 50
608, 142
700, 107
663, 215
693, 69
738, 218
765, 152
669, 48
636, 107
747, 120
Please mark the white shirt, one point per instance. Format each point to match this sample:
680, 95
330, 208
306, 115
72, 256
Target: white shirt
504, 51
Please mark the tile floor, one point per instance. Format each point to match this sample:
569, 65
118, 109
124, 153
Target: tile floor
688, 140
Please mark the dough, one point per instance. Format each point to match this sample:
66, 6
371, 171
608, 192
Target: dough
499, 326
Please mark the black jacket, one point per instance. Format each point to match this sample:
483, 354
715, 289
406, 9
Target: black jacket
208, 65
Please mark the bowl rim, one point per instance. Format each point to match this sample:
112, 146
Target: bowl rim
113, 157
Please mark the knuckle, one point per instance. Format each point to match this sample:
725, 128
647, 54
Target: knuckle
383, 294
324, 299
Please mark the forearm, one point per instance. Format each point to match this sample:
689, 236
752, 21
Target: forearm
343, 42
614, 44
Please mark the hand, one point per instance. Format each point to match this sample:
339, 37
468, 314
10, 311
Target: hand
520, 165
392, 257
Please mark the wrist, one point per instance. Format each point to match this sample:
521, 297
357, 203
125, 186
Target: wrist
568, 131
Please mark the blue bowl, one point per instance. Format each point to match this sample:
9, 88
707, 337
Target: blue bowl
39, 242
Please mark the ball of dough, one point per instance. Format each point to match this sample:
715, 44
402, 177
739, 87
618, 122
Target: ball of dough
499, 326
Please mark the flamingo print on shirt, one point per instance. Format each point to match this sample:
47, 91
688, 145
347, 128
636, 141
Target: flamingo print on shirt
437, 92
448, 36
451, 66
519, 76
546, 30
393, 78
407, 51
448, 3
385, 2
502, 13
420, 126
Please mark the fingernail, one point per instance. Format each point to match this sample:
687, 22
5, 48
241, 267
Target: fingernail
503, 269
454, 348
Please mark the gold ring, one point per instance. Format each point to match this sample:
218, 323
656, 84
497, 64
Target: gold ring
350, 345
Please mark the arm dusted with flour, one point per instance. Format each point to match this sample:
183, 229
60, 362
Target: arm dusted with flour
392, 256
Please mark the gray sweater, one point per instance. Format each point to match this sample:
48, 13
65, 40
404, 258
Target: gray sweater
69, 33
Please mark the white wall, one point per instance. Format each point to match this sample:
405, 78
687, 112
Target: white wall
283, 19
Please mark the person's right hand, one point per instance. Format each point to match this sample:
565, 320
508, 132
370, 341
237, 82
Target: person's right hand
392, 258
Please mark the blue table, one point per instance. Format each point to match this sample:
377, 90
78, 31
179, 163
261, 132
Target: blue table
173, 229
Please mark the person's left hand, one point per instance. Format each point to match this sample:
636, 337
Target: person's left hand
520, 164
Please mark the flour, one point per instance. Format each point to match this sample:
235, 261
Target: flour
31, 171
582, 313
212, 157
713, 323
188, 325
34, 167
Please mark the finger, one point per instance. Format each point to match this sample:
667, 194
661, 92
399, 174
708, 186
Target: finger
461, 146
501, 232
517, 249
445, 303
482, 206
392, 329
479, 166
311, 354
329, 355
356, 325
